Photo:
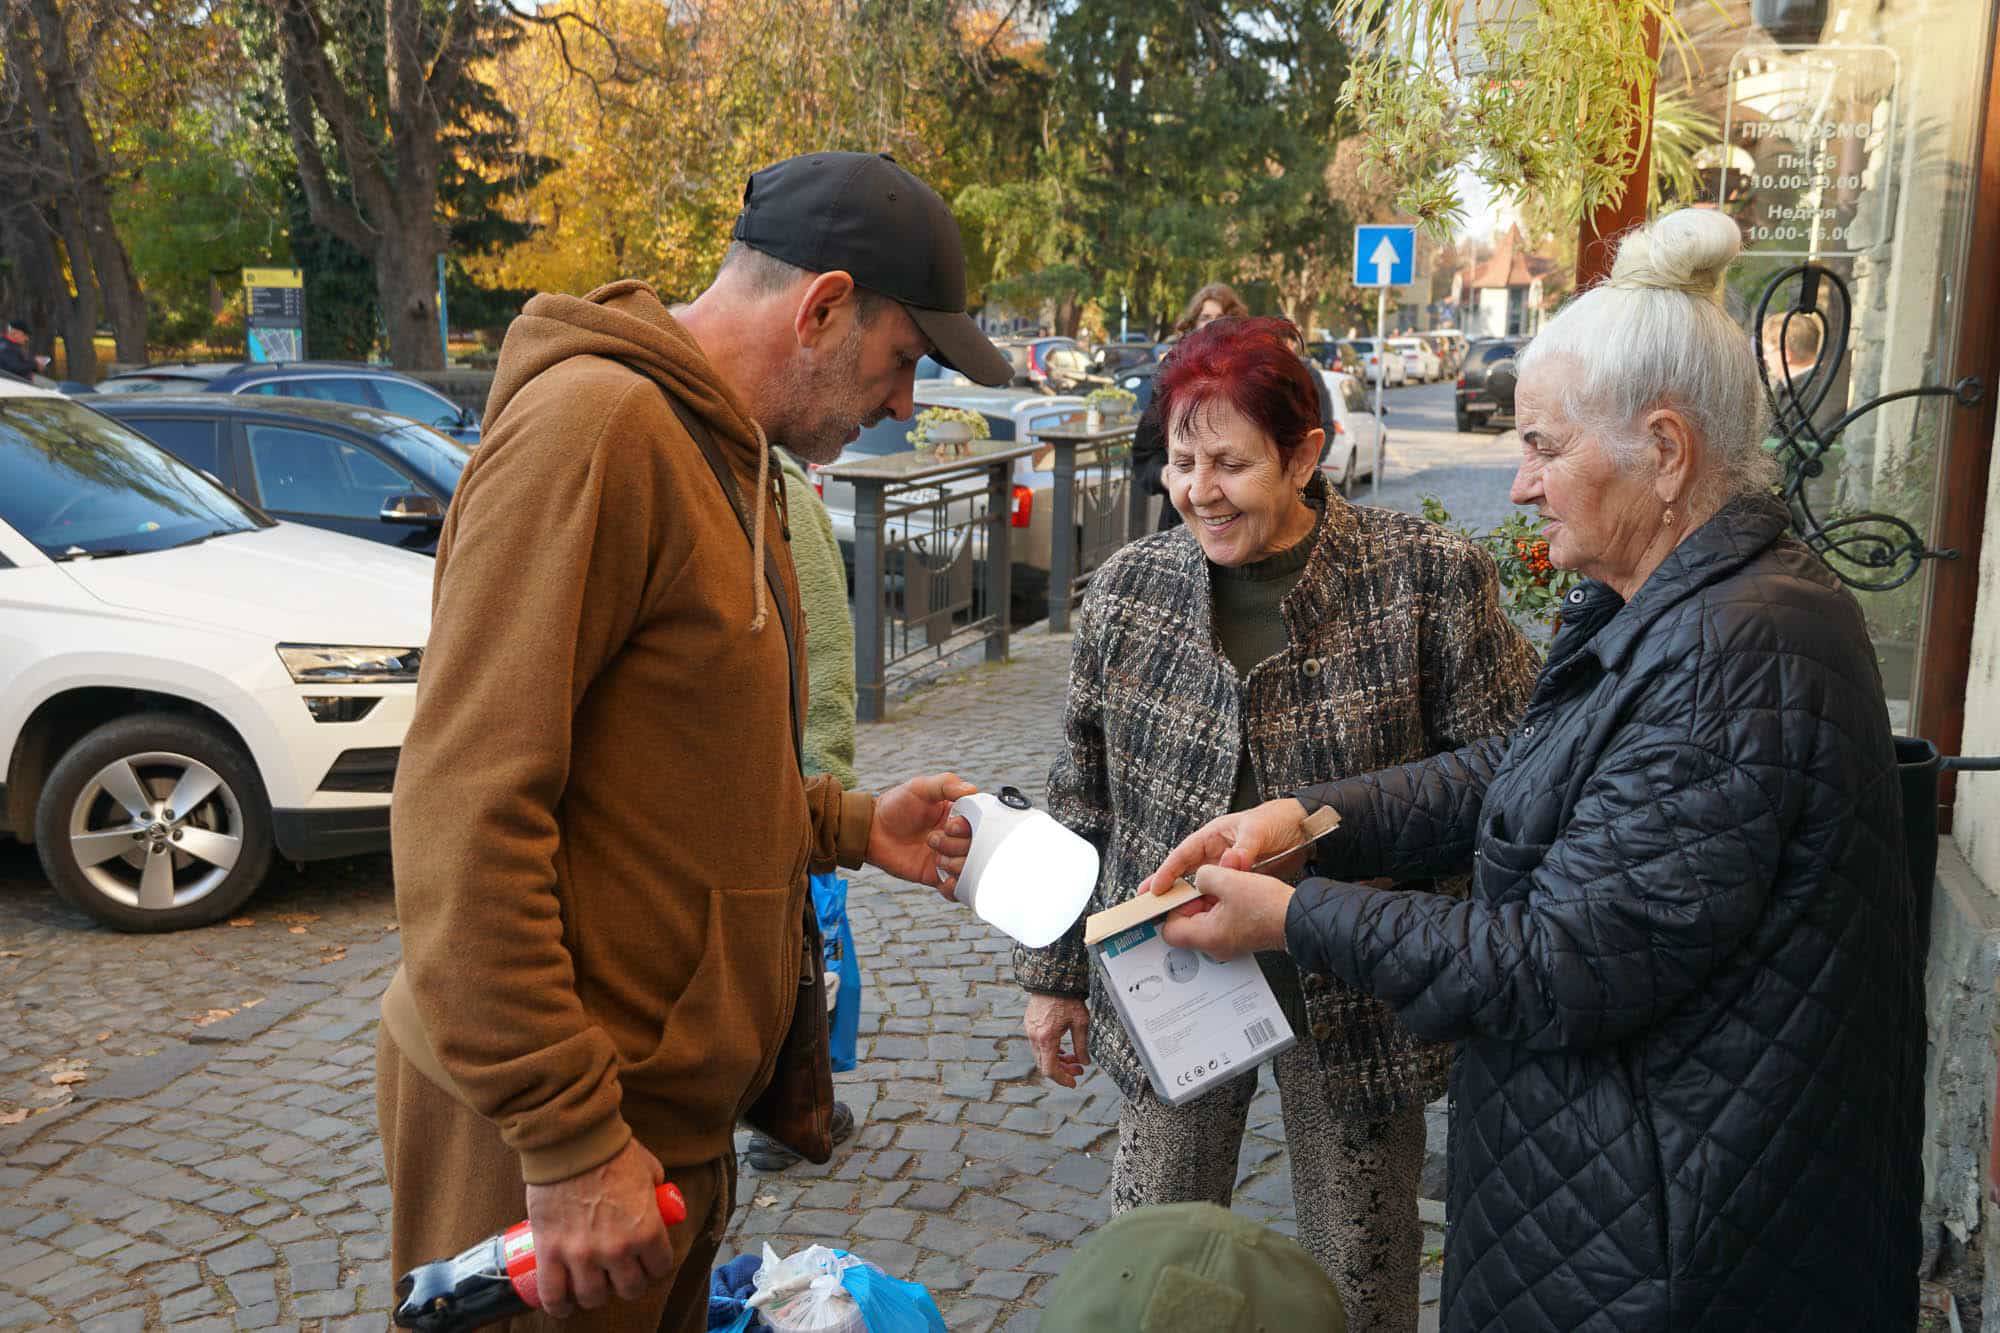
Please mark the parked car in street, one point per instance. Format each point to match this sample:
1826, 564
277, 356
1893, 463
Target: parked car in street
1011, 414
1372, 365
328, 381
357, 470
1113, 359
188, 688
1330, 354
1420, 359
930, 368
1054, 365
1349, 456
1484, 398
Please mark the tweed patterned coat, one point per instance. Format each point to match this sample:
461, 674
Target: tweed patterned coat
1397, 650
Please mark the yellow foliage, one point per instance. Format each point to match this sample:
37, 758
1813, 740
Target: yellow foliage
660, 120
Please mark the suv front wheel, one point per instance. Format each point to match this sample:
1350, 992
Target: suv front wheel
155, 822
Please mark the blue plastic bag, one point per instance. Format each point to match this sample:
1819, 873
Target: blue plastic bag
830, 903
891, 1305
886, 1304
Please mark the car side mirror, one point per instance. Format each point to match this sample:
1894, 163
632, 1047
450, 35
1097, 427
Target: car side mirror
413, 510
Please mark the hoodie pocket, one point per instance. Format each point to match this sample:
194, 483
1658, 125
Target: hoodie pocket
724, 1028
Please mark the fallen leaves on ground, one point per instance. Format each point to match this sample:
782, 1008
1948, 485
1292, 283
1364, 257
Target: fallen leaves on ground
12, 953
104, 1036
63, 1073
334, 954
252, 1004
241, 921
297, 918
14, 1117
212, 1016
295, 930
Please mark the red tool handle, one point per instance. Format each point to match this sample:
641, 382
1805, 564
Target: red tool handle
517, 1244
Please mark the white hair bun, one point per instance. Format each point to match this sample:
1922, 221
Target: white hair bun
1688, 250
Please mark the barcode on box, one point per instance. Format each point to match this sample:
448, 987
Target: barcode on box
1261, 1033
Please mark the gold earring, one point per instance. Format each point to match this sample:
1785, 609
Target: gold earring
1667, 519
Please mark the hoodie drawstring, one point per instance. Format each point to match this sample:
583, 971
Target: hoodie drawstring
757, 530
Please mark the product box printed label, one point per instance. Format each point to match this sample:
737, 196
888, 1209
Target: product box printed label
1196, 1022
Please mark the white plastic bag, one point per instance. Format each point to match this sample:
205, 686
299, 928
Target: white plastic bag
803, 1293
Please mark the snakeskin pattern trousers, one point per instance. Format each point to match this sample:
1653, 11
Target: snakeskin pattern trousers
1354, 1181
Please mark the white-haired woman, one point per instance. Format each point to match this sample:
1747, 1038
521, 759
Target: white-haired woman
1686, 984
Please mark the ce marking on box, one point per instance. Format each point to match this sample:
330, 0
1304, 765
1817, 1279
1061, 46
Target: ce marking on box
1189, 1078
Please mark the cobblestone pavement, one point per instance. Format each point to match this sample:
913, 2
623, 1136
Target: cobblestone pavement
215, 1164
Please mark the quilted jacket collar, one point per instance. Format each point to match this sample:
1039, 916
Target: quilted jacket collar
1738, 533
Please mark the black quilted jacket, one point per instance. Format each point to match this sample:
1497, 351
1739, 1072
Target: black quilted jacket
1686, 984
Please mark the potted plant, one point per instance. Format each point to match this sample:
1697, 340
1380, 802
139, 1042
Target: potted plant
947, 426
1106, 404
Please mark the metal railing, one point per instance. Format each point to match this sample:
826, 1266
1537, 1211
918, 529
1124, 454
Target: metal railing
932, 557
1095, 502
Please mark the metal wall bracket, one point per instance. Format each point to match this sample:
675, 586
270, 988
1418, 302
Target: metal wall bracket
1872, 552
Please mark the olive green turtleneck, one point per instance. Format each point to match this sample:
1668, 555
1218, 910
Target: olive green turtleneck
1251, 628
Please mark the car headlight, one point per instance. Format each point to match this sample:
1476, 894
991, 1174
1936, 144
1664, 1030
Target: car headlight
333, 664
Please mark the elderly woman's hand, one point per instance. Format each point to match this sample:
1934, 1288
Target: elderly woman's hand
1236, 841
1238, 913
1048, 1018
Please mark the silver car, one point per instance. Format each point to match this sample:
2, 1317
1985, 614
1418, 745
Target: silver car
1011, 414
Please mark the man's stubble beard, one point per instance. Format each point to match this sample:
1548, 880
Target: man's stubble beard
803, 424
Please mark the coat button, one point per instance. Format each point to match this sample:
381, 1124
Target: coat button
1528, 730
1322, 1030
1576, 594
1311, 666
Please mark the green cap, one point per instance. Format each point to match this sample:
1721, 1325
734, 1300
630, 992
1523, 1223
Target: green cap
1191, 1268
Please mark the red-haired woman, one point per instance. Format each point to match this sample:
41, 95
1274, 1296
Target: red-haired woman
1281, 637
1218, 300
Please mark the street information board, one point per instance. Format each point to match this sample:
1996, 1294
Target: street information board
277, 308
1809, 139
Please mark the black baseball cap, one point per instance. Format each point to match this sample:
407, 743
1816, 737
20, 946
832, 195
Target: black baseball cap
863, 214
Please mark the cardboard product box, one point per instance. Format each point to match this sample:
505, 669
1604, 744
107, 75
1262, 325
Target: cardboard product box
1195, 1022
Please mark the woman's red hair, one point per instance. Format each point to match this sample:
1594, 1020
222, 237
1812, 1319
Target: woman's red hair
1254, 366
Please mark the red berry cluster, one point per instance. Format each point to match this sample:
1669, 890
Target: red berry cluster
1534, 555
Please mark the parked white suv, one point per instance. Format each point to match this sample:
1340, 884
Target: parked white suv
187, 687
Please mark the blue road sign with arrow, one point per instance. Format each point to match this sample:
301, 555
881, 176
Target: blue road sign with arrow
1385, 256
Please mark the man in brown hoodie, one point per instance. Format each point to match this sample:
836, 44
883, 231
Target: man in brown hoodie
602, 835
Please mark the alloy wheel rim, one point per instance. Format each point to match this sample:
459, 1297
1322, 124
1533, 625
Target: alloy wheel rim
156, 830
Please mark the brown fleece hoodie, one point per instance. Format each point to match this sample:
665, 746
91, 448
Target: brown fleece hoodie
601, 832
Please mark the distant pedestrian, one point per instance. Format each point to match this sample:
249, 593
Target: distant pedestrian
15, 359
1687, 987
1216, 301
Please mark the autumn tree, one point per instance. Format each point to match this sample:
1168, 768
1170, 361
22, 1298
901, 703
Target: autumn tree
375, 95
654, 167
53, 157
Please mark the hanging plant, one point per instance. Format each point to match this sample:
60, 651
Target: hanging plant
1536, 97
